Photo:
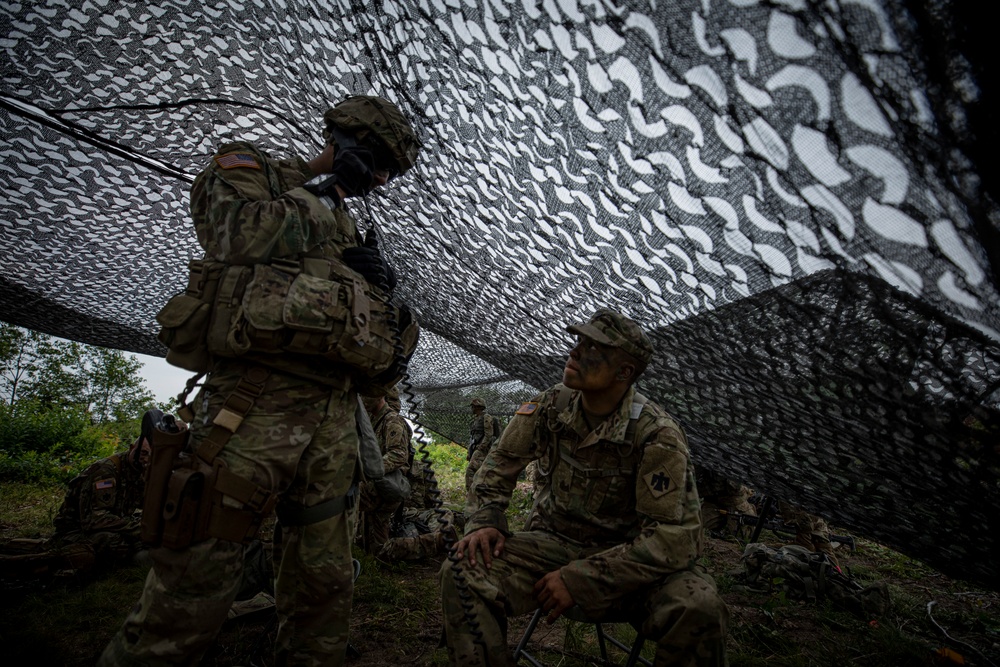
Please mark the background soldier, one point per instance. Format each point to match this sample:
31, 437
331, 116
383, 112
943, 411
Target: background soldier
97, 523
615, 526
721, 497
393, 435
482, 434
811, 531
280, 425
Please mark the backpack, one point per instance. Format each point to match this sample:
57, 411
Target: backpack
809, 576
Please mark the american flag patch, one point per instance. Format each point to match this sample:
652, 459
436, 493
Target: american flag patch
234, 160
105, 484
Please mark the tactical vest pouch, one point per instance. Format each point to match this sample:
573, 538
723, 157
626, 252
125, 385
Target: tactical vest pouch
185, 318
334, 316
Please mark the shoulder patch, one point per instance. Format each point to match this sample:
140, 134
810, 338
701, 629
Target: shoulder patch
527, 408
658, 481
104, 484
236, 160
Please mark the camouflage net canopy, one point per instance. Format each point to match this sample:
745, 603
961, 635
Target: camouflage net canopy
790, 195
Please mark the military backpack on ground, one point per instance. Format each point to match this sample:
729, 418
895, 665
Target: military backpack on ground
809, 576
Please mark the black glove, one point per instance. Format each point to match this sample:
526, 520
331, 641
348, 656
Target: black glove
368, 261
353, 171
354, 168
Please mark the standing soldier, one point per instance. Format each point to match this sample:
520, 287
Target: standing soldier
296, 316
393, 435
615, 527
482, 434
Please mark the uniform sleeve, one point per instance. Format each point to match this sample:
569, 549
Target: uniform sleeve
494, 482
98, 499
397, 445
239, 221
670, 538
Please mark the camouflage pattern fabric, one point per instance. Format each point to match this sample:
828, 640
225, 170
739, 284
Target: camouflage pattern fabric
681, 612
482, 434
619, 520
393, 434
420, 536
719, 497
97, 524
806, 575
298, 439
812, 533
103, 497
421, 476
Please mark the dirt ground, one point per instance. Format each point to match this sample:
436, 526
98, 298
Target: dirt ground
764, 629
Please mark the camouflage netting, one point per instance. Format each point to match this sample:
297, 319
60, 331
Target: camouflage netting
793, 196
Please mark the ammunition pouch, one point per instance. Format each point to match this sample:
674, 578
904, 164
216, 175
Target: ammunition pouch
186, 318
316, 306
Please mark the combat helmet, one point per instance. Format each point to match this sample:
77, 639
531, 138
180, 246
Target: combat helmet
478, 403
361, 113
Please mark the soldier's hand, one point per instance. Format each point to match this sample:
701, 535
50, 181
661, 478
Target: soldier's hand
487, 541
369, 262
553, 596
354, 168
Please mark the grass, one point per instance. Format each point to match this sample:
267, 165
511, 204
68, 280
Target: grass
396, 617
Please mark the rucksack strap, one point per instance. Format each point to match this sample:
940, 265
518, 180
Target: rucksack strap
638, 403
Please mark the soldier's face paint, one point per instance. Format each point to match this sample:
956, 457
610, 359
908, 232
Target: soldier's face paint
591, 366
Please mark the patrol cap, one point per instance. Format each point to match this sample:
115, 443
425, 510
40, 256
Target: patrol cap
380, 117
611, 328
392, 398
477, 403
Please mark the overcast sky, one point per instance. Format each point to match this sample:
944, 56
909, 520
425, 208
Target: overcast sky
162, 379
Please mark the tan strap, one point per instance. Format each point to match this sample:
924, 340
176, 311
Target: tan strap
234, 410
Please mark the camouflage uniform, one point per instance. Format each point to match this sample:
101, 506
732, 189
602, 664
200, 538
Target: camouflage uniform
719, 497
625, 541
482, 434
298, 439
420, 497
811, 530
393, 434
419, 536
96, 523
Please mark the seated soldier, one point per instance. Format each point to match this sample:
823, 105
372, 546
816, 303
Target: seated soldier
98, 522
616, 524
419, 534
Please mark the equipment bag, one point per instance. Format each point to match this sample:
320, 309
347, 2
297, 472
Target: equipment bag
317, 306
810, 576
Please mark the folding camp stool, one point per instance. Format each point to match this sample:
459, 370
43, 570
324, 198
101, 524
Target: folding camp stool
576, 614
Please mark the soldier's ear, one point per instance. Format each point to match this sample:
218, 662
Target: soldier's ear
625, 372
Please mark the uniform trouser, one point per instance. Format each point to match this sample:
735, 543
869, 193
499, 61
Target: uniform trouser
374, 519
683, 613
475, 463
299, 439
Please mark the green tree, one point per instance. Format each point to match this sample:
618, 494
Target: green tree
27, 359
113, 389
53, 373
